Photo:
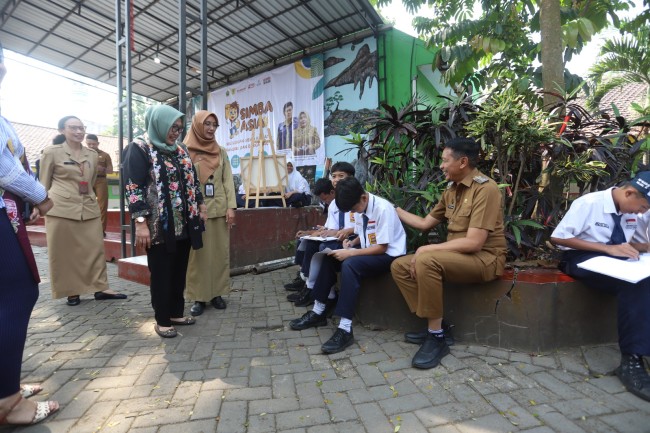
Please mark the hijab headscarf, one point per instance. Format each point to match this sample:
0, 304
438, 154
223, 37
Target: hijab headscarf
295, 181
161, 119
204, 152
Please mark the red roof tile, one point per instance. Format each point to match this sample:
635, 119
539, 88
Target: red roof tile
623, 97
35, 138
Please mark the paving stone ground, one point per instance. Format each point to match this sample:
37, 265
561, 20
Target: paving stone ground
242, 370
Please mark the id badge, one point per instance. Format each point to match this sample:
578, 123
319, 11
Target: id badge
83, 187
209, 190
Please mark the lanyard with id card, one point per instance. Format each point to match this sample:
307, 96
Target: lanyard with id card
209, 188
83, 185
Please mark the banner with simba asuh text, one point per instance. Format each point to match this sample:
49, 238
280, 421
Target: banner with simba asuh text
286, 102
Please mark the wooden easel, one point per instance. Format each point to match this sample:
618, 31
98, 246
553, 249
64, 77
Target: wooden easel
262, 190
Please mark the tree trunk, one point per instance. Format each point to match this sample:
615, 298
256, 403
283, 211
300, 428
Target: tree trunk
552, 60
552, 69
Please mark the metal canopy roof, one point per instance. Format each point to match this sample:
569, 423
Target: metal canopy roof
244, 37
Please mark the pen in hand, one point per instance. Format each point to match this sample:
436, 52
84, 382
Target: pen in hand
347, 243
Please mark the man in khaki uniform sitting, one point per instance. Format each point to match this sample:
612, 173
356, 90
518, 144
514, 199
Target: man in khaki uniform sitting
475, 250
104, 167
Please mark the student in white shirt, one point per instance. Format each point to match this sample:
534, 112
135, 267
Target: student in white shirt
381, 238
604, 223
339, 224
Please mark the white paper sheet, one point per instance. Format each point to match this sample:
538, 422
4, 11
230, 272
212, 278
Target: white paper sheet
320, 238
631, 271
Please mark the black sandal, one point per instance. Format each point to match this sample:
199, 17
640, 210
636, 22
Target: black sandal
73, 300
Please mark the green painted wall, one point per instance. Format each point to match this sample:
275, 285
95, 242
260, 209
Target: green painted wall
399, 57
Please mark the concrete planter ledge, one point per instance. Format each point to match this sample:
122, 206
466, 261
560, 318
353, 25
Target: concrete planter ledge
542, 311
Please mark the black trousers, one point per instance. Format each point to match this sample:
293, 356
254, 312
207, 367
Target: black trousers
18, 294
299, 200
168, 271
633, 319
353, 270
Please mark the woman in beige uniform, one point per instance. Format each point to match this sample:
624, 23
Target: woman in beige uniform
305, 138
208, 272
73, 227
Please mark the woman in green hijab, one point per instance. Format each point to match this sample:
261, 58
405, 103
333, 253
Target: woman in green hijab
164, 198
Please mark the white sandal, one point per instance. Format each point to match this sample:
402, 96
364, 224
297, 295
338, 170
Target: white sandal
43, 410
29, 390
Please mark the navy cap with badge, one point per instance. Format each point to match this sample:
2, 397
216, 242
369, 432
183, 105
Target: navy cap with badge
642, 183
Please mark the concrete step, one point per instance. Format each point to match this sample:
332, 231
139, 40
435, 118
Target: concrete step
112, 242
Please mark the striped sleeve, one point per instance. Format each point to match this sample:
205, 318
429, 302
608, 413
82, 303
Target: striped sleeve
13, 176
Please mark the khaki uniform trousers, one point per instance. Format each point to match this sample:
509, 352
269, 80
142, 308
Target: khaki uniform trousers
424, 294
101, 191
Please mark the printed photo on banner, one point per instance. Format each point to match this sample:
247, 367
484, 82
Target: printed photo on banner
284, 106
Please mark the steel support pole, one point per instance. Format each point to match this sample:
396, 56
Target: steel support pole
123, 42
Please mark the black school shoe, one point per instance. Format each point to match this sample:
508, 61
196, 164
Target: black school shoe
338, 342
293, 297
430, 353
634, 376
218, 303
73, 300
306, 300
296, 285
418, 337
101, 296
197, 308
308, 320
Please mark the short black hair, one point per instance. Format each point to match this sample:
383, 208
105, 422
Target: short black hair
348, 193
323, 186
91, 137
464, 147
343, 166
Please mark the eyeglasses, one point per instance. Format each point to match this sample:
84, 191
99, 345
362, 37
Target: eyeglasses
177, 129
77, 128
215, 125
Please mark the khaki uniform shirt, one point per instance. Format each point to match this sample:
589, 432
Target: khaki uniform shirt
104, 160
61, 174
224, 188
475, 202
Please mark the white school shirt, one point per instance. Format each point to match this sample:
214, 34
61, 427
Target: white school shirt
589, 218
332, 222
384, 226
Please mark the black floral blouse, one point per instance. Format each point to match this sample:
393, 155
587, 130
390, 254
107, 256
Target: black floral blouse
164, 188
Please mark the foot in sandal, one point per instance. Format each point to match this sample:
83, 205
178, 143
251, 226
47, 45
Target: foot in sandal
23, 412
29, 390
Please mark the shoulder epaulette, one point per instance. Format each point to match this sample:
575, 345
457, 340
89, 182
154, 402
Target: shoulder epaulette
480, 179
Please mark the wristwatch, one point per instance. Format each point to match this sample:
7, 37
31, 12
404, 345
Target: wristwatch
139, 219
